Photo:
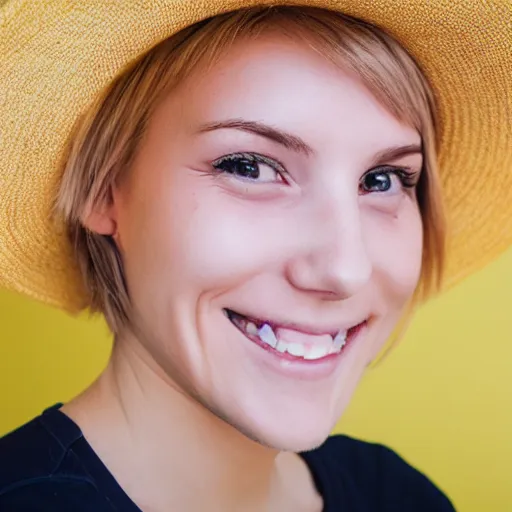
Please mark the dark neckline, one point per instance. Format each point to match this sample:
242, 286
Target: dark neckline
71, 437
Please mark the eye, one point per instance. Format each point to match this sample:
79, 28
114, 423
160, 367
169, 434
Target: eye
251, 167
391, 180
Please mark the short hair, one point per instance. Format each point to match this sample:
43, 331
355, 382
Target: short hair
106, 137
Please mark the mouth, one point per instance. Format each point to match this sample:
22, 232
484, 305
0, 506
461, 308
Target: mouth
294, 342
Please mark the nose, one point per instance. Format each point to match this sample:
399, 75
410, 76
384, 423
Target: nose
332, 258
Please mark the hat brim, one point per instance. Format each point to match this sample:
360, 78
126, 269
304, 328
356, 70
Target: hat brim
56, 57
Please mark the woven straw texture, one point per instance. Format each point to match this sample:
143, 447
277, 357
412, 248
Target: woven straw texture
56, 55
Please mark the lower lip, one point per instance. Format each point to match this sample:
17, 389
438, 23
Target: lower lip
304, 369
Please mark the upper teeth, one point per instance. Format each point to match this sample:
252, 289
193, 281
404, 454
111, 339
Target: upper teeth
340, 340
252, 329
267, 335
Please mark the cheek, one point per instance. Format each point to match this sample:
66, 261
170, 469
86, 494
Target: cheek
395, 246
216, 248
191, 238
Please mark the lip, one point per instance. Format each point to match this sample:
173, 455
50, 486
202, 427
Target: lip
297, 368
302, 328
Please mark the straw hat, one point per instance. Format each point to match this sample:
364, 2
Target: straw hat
56, 55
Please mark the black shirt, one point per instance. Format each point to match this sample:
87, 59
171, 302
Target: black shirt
47, 465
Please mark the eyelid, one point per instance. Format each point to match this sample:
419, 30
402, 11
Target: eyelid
251, 155
390, 168
411, 174
408, 177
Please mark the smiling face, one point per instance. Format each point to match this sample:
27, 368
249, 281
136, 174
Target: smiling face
270, 237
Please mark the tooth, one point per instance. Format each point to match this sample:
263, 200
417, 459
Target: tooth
235, 319
317, 352
340, 340
251, 328
281, 346
296, 349
267, 335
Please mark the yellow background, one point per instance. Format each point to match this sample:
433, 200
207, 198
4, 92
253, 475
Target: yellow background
442, 399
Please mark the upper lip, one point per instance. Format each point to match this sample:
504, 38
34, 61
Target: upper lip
331, 329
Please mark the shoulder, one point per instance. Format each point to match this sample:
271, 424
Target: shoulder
38, 471
380, 473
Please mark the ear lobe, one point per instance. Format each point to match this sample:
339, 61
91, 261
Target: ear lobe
100, 222
101, 218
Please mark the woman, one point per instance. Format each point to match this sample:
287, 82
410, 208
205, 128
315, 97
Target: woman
252, 200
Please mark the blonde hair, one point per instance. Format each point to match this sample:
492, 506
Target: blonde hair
107, 136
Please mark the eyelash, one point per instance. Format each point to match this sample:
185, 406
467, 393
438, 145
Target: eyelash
253, 158
408, 178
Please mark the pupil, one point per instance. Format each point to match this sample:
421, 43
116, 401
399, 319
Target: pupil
243, 167
380, 182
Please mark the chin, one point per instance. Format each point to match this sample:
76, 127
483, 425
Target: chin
300, 440
285, 435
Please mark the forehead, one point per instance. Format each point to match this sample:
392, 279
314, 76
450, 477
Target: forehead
284, 83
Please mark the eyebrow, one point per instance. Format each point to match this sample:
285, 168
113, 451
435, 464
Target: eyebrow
394, 153
287, 140
295, 143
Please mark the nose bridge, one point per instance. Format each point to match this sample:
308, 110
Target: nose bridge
335, 259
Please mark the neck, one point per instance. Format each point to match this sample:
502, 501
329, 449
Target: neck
166, 450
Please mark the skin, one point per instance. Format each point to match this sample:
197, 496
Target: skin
187, 406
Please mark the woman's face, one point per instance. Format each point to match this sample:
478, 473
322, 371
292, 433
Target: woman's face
271, 237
